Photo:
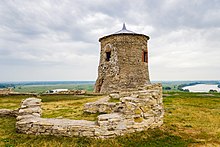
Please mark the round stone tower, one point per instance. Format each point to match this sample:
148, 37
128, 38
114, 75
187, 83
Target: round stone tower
123, 62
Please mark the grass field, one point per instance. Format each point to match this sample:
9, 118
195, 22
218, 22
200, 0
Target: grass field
191, 119
44, 88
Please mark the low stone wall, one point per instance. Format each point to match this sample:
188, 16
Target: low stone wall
8, 112
5, 91
136, 111
100, 106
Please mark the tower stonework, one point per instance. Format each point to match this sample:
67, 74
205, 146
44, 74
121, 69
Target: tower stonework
123, 62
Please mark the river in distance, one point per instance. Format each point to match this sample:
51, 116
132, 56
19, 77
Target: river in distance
201, 88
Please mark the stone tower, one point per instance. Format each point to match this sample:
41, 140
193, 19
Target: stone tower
123, 62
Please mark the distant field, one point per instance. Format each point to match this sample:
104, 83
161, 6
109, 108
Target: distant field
44, 88
191, 119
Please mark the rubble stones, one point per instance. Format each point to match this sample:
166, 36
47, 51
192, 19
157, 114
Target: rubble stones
114, 96
5, 91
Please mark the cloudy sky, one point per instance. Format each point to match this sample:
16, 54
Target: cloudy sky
58, 39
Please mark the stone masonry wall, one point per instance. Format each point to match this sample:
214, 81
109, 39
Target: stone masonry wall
5, 91
125, 69
136, 111
141, 105
8, 112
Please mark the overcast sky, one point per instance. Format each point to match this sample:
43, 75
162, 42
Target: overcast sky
58, 39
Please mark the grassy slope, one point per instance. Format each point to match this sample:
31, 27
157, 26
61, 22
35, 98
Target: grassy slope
190, 119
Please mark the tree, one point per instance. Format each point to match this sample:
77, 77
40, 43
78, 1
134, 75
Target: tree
166, 88
212, 91
186, 90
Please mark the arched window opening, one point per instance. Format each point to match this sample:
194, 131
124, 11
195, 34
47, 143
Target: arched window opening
108, 56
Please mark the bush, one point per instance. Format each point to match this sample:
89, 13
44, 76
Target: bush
166, 88
212, 91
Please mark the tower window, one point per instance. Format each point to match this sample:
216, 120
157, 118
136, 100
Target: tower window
108, 56
145, 57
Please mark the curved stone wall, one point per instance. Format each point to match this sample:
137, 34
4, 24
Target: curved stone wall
136, 111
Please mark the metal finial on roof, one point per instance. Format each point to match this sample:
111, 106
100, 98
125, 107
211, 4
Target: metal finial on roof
124, 30
124, 27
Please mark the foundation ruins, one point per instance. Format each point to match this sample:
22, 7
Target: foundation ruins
135, 111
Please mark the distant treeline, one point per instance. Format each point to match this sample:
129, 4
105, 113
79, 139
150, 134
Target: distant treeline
4, 85
180, 87
14, 84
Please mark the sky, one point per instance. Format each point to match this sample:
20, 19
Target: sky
58, 39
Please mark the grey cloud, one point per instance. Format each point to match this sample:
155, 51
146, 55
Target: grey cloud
41, 35
170, 15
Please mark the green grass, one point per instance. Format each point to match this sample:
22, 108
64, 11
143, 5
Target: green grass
114, 100
194, 114
11, 102
67, 106
58, 98
191, 119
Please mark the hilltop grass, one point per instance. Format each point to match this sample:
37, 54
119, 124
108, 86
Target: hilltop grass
194, 115
191, 119
10, 102
67, 107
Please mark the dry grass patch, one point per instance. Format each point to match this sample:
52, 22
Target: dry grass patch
11, 102
72, 109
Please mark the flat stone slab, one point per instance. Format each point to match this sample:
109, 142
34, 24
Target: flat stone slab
4, 112
134, 100
110, 116
31, 102
60, 122
8, 112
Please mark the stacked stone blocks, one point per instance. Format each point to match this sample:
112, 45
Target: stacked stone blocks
136, 111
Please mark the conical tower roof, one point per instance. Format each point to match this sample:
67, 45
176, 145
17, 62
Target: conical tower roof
124, 31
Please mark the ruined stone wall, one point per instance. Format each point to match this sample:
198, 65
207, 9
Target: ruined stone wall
136, 111
8, 112
125, 69
140, 106
5, 91
153, 92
